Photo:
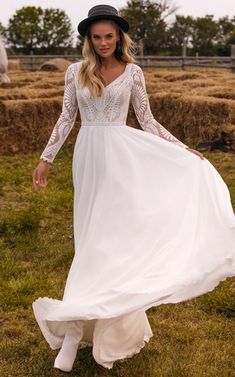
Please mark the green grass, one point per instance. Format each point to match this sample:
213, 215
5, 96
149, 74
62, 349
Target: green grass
195, 338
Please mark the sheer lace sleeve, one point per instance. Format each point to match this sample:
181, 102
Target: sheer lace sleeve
67, 117
139, 100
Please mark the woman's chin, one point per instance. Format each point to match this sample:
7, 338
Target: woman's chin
105, 54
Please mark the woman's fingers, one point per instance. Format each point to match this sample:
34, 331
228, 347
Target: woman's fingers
35, 179
43, 182
39, 179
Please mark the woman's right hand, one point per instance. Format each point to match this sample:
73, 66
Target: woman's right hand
40, 174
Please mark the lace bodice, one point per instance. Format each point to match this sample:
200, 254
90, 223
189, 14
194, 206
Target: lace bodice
112, 106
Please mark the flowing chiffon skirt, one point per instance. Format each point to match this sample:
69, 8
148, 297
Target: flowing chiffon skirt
153, 224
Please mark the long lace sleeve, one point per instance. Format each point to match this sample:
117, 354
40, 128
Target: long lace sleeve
139, 100
66, 120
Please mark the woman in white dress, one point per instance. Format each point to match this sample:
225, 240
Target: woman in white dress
153, 220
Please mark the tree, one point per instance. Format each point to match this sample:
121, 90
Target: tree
2, 29
24, 29
204, 36
179, 32
57, 30
231, 39
32, 29
226, 35
147, 22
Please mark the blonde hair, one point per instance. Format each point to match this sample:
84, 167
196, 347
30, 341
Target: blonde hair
89, 74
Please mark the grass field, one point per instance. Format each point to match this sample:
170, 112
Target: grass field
191, 339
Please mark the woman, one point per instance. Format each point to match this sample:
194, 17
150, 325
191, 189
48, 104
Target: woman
153, 223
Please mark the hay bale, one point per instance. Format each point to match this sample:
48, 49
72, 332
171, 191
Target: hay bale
181, 76
31, 93
222, 92
31, 104
25, 125
192, 118
55, 65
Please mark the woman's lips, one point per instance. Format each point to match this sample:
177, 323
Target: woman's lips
103, 50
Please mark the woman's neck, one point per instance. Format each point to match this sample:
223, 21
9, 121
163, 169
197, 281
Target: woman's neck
107, 63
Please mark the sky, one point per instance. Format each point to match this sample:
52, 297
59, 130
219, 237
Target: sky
77, 10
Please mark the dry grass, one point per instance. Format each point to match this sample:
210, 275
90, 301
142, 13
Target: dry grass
195, 105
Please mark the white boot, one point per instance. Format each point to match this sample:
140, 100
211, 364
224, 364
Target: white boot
66, 357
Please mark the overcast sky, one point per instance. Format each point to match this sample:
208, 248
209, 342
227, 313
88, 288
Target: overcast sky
77, 10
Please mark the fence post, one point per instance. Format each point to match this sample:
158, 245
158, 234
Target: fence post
31, 60
233, 57
184, 53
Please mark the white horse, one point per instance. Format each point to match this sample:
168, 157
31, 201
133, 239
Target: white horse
3, 63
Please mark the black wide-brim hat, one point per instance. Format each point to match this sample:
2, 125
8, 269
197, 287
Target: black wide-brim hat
102, 12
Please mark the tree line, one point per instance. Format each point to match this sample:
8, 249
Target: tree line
49, 31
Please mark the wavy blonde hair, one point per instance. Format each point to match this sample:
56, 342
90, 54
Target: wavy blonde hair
89, 74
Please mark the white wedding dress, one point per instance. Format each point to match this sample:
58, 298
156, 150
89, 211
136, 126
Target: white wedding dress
153, 222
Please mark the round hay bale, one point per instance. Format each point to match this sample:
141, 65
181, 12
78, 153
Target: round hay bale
55, 65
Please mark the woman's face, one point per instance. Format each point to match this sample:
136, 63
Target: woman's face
104, 38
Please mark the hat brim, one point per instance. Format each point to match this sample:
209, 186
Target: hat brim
83, 25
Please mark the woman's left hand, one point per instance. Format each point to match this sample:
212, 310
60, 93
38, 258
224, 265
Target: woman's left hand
196, 152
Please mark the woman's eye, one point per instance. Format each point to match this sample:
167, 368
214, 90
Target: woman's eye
97, 37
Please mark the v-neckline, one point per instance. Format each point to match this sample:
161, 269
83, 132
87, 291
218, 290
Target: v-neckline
117, 77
